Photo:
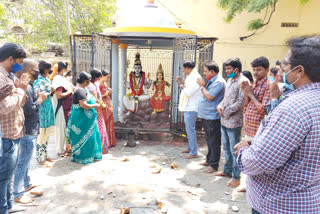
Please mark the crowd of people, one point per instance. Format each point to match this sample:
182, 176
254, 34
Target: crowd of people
269, 125
38, 100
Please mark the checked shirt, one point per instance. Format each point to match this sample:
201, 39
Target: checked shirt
283, 162
253, 114
11, 112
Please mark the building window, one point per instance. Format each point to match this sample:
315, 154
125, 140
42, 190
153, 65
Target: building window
289, 24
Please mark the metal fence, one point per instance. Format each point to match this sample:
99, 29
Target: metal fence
82, 53
95, 51
102, 52
184, 49
150, 60
90, 51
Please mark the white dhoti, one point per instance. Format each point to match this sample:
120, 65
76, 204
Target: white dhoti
131, 104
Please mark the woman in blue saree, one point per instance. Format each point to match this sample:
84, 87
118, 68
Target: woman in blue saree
82, 129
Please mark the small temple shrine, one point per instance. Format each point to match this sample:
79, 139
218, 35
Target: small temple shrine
144, 53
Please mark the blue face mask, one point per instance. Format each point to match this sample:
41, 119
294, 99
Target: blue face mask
16, 67
232, 75
272, 79
289, 86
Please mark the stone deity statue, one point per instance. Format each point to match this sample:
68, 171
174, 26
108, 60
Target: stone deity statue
138, 84
159, 97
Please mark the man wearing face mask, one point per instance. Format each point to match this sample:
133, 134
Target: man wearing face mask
278, 91
283, 160
212, 95
11, 117
231, 112
22, 181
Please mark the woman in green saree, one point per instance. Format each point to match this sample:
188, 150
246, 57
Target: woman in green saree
82, 129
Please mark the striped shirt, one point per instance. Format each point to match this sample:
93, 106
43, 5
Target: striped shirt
255, 114
283, 162
11, 112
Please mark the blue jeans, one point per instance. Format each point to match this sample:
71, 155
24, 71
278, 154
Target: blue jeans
255, 211
21, 176
230, 137
190, 118
8, 162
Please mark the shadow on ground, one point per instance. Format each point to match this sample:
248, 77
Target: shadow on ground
127, 177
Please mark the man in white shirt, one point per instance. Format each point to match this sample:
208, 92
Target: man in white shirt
188, 104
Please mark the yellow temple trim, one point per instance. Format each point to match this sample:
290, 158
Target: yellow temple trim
149, 29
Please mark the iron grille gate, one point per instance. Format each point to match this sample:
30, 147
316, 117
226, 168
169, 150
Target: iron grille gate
82, 54
197, 50
205, 52
95, 51
101, 56
184, 49
90, 51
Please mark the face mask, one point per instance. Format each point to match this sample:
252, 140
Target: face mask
289, 86
16, 67
232, 75
36, 75
272, 79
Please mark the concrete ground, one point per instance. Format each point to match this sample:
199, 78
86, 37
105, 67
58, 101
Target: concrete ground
138, 178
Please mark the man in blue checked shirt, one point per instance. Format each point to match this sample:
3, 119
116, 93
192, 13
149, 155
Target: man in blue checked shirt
283, 161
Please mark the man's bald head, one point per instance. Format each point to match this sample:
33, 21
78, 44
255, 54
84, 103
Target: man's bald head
29, 64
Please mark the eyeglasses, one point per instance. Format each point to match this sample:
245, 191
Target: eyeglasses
285, 63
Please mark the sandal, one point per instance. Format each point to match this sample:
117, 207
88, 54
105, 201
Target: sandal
189, 156
24, 200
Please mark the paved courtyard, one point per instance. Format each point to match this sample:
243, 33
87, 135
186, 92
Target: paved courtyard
138, 178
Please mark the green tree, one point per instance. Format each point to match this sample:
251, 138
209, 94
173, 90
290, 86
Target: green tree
234, 7
44, 21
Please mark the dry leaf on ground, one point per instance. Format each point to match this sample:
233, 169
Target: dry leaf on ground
125, 159
157, 171
159, 203
174, 165
124, 210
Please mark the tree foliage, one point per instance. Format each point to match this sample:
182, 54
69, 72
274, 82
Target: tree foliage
235, 7
44, 21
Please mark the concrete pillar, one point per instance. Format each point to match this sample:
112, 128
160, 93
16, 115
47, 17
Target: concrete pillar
115, 77
123, 70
